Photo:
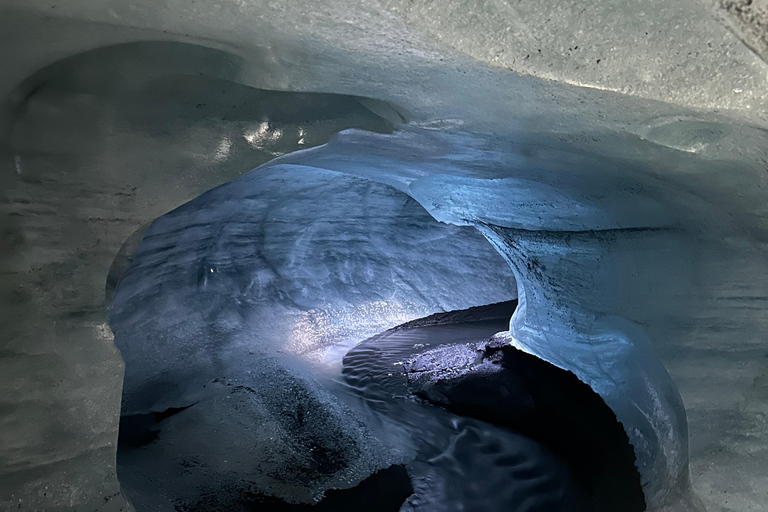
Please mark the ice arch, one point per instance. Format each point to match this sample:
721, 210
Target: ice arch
597, 243
589, 246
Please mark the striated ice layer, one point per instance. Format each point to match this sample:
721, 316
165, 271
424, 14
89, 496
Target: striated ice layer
326, 257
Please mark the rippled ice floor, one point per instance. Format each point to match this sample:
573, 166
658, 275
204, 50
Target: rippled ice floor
462, 463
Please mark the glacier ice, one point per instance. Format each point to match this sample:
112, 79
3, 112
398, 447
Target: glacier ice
239, 301
587, 281
274, 266
79, 180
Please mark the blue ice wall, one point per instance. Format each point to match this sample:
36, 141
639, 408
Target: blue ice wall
238, 303
599, 244
317, 250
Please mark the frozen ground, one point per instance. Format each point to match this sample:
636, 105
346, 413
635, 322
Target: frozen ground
89, 157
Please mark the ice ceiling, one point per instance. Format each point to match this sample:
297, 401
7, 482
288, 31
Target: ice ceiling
604, 164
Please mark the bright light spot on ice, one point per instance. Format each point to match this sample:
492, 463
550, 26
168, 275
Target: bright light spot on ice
325, 336
222, 152
256, 135
263, 135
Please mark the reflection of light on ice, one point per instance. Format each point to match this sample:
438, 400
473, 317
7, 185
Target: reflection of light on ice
103, 333
326, 336
254, 136
222, 152
262, 135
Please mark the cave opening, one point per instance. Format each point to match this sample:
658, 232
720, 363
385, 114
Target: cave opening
304, 338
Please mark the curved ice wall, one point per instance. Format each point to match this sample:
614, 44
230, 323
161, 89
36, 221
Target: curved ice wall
317, 250
240, 300
600, 247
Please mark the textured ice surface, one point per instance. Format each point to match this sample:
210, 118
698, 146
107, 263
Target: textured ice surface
587, 280
462, 462
340, 258
445, 364
675, 52
238, 301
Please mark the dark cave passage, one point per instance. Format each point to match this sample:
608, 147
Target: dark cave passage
453, 361
494, 429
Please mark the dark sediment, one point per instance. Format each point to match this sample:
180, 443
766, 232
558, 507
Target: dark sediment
505, 386
384, 491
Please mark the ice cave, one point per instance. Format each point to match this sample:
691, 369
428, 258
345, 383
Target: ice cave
384, 255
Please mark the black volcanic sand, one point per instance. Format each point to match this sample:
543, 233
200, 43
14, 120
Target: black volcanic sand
500, 385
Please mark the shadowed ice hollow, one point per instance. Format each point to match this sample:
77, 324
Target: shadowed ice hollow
236, 305
240, 305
